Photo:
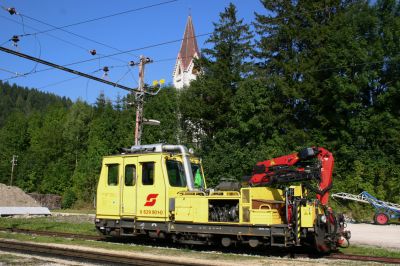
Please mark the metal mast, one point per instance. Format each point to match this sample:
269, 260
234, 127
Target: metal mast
139, 98
13, 164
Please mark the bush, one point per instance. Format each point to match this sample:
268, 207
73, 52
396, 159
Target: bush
68, 199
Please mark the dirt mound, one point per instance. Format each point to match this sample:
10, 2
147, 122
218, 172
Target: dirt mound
15, 197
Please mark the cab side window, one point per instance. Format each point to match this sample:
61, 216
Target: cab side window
112, 179
130, 175
176, 175
148, 173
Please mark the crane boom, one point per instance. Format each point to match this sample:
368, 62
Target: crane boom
314, 163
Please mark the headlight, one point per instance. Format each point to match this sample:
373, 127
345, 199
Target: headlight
323, 219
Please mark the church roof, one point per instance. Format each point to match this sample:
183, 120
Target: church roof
189, 46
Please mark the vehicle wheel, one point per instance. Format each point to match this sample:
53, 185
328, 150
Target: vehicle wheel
320, 237
381, 218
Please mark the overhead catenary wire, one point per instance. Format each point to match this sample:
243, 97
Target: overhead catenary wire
39, 56
137, 49
166, 59
16, 74
58, 38
123, 76
171, 59
105, 56
146, 47
4, 42
23, 23
200, 35
62, 28
37, 45
58, 82
65, 80
169, 42
13, 11
106, 16
150, 6
72, 33
48, 34
160, 44
68, 79
132, 10
8, 71
65, 69
111, 55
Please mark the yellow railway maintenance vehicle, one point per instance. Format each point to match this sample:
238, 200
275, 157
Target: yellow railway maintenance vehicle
160, 191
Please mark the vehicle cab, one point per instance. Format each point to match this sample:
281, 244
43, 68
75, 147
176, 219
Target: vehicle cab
141, 184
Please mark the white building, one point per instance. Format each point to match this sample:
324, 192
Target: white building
184, 71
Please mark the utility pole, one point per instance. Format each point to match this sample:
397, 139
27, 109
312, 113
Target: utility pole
139, 98
13, 164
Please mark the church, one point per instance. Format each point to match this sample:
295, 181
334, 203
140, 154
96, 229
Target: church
184, 71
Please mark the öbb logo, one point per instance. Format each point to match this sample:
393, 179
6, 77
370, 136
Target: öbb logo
151, 200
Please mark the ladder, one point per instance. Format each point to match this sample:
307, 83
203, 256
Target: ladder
365, 197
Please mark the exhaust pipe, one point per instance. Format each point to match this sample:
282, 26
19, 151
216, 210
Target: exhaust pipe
187, 166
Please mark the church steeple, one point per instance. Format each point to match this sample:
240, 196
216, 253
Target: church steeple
184, 71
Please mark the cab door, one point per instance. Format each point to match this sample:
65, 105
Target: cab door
109, 188
151, 203
129, 187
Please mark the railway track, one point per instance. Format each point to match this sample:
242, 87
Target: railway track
85, 255
43, 249
339, 256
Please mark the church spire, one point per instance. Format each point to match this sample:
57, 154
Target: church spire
184, 72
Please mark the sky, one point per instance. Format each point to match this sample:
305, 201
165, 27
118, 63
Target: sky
129, 31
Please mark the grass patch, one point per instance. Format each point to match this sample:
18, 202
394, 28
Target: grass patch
79, 211
9, 259
371, 251
54, 224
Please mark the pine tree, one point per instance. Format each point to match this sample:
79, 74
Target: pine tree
223, 66
326, 65
76, 131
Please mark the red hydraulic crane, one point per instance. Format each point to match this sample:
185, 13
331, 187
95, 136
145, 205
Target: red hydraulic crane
314, 163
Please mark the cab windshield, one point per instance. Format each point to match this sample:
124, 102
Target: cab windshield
197, 176
176, 174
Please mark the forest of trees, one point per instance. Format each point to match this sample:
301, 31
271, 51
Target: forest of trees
313, 73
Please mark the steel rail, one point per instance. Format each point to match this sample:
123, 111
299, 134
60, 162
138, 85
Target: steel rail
334, 256
73, 253
363, 258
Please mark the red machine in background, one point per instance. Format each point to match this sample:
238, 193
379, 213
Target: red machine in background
314, 163
308, 165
